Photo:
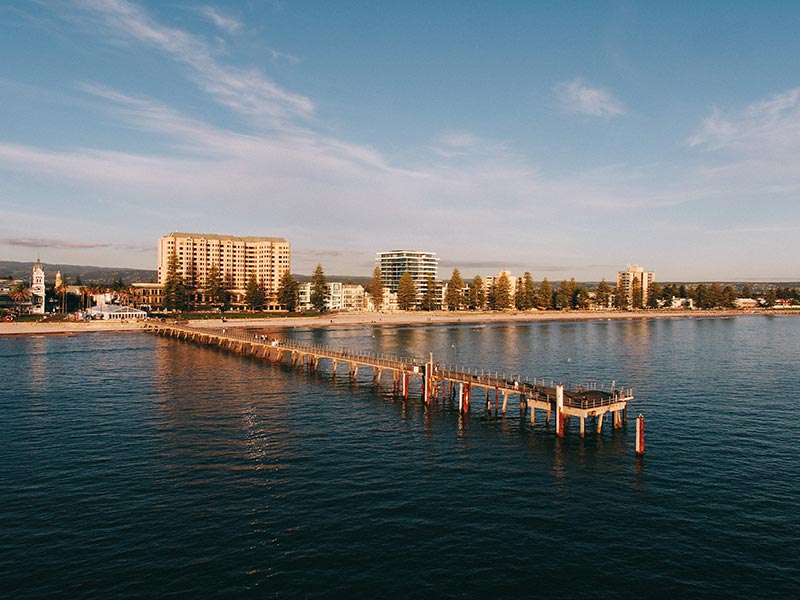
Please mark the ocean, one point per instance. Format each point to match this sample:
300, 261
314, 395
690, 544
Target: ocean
133, 466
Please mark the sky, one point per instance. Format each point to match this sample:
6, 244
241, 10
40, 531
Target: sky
567, 139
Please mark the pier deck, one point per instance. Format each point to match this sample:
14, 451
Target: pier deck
581, 402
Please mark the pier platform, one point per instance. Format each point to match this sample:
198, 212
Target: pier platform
434, 383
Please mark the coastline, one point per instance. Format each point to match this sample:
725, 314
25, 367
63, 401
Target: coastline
379, 319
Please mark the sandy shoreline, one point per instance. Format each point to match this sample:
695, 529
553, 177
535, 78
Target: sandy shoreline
378, 319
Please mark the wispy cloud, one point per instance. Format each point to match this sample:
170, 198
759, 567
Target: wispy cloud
246, 91
278, 56
579, 97
48, 243
771, 126
226, 23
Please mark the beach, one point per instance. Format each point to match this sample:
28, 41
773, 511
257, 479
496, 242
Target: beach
377, 319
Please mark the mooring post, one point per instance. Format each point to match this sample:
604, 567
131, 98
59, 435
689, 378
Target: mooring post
560, 410
640, 435
505, 400
583, 426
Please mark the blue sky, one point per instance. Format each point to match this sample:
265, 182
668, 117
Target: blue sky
565, 139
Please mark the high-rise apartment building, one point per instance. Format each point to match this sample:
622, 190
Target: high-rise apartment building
420, 265
236, 258
633, 286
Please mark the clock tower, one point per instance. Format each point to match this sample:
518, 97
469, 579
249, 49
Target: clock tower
37, 288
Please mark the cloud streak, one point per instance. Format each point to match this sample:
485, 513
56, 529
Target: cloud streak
579, 97
245, 91
225, 23
771, 126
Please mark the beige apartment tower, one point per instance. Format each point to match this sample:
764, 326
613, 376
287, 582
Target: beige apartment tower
633, 285
235, 257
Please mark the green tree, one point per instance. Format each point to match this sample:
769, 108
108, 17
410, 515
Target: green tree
502, 292
175, 293
563, 296
454, 296
477, 294
288, 292
714, 295
772, 297
528, 291
580, 298
602, 294
375, 289
19, 294
653, 295
215, 290
430, 297
637, 293
701, 296
747, 291
406, 292
621, 299
61, 293
319, 290
544, 296
254, 295
728, 297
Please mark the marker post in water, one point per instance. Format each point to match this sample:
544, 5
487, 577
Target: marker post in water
640, 435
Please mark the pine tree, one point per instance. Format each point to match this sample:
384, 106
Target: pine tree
544, 297
288, 292
528, 292
477, 294
375, 289
454, 296
319, 290
406, 292
175, 293
254, 295
563, 296
602, 294
637, 293
653, 295
429, 299
215, 290
502, 292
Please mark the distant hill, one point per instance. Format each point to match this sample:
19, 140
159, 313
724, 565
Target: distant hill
106, 275
88, 274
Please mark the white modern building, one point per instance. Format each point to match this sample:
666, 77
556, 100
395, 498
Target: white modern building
420, 265
333, 296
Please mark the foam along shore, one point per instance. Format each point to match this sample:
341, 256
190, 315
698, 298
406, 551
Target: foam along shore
385, 318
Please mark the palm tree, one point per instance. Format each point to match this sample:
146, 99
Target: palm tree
62, 291
20, 293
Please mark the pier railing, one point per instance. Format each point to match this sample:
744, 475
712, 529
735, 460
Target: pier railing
585, 396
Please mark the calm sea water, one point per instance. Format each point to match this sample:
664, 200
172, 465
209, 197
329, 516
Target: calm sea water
133, 466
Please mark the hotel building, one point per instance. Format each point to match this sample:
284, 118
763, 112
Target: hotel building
633, 285
237, 258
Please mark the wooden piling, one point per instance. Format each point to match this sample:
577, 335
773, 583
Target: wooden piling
640, 435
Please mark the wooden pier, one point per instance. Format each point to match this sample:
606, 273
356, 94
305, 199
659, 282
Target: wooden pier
435, 383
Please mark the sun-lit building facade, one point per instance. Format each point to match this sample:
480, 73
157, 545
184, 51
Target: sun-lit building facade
236, 258
633, 285
420, 265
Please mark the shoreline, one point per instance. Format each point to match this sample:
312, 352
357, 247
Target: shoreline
382, 319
